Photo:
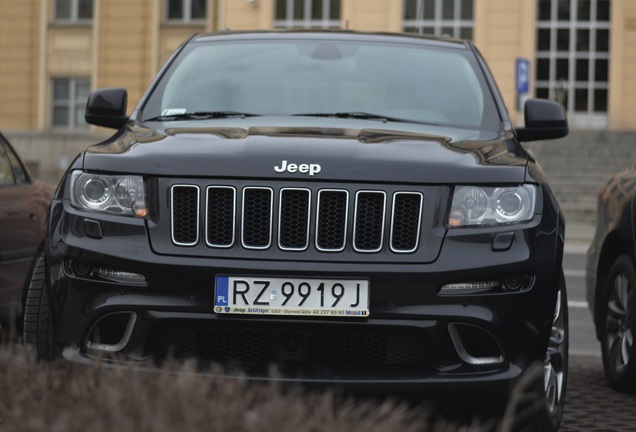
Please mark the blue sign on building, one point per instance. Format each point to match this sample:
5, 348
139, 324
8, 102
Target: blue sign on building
523, 75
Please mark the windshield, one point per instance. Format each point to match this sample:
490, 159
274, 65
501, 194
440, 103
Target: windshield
397, 82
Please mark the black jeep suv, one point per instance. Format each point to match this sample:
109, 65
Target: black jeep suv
339, 208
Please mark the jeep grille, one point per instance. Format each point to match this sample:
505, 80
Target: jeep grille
303, 217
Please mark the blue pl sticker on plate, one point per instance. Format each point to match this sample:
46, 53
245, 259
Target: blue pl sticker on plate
221, 298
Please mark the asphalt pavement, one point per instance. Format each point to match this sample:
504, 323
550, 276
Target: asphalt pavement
591, 405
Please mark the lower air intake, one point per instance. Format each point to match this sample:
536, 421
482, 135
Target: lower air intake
475, 345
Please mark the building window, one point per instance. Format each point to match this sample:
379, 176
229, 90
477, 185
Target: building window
69, 11
307, 14
572, 58
439, 17
69, 102
186, 11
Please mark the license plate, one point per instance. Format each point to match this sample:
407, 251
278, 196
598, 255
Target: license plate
291, 296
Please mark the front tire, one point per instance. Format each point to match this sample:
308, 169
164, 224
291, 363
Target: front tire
538, 401
619, 325
551, 390
37, 329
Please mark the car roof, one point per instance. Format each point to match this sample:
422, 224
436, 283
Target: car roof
340, 35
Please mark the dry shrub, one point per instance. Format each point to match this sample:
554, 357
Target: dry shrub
57, 398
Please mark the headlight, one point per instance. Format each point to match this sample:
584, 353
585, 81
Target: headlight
475, 205
113, 194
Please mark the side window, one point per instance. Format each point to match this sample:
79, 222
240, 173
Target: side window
6, 174
11, 170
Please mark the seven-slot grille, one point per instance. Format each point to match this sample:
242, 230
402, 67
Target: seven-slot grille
295, 218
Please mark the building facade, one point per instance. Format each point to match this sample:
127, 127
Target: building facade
581, 52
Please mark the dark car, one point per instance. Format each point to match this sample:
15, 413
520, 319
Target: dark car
611, 279
24, 203
329, 208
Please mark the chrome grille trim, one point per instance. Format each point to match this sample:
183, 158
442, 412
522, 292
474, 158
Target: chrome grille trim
193, 224
249, 227
284, 225
224, 221
394, 224
324, 220
372, 223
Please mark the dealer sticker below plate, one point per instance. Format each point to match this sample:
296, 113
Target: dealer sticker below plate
291, 296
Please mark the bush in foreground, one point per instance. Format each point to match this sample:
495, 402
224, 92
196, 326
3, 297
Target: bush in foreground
42, 397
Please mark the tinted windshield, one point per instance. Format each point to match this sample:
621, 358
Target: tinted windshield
442, 86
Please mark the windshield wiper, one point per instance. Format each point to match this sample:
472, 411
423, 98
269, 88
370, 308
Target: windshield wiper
354, 115
201, 115
363, 116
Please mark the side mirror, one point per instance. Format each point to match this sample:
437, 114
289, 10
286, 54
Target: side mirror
544, 119
107, 107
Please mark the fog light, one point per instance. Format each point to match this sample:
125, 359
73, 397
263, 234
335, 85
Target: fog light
514, 282
468, 287
82, 268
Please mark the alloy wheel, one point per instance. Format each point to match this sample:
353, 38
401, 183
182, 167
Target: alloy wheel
619, 336
555, 363
619, 325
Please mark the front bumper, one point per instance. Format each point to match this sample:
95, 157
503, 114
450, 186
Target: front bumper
414, 340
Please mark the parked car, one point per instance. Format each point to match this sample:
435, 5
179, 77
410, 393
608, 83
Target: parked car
611, 279
331, 208
24, 203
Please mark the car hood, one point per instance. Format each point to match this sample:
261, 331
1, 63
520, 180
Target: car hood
311, 149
